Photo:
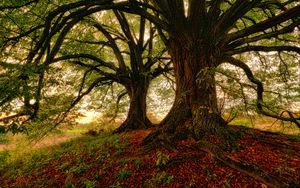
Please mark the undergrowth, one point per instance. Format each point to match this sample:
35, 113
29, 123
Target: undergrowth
25, 160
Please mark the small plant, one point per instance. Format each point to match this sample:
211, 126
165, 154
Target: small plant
162, 160
209, 173
124, 161
138, 162
69, 185
162, 178
3, 138
78, 169
65, 165
4, 156
89, 184
124, 174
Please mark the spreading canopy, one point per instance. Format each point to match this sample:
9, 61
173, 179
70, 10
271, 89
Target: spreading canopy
227, 29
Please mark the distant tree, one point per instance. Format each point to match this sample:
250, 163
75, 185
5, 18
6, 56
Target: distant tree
123, 53
135, 64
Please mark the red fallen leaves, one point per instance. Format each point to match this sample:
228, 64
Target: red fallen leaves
188, 167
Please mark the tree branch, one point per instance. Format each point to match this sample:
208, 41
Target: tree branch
263, 49
288, 29
113, 44
259, 92
117, 103
266, 24
235, 12
87, 56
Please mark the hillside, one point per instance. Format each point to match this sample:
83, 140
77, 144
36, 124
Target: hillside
108, 160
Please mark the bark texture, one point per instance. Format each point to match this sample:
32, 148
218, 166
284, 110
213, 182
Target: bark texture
137, 114
195, 111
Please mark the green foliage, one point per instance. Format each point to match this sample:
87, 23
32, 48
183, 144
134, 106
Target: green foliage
4, 138
36, 160
124, 174
69, 185
137, 161
266, 124
89, 184
24, 159
162, 178
15, 128
4, 155
78, 169
162, 160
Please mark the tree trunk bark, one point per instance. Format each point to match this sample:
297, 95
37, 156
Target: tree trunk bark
137, 114
195, 111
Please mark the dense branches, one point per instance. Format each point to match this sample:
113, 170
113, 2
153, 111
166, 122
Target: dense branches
120, 42
199, 35
260, 90
133, 61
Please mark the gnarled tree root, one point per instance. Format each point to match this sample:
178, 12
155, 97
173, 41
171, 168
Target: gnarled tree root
244, 168
133, 124
156, 140
263, 139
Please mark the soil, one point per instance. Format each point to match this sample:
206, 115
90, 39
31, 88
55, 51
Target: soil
276, 155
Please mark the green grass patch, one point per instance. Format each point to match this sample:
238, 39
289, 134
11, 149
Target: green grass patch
266, 124
124, 174
4, 138
76, 130
137, 161
71, 157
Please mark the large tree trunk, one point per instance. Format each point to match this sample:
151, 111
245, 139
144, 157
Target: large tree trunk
195, 110
137, 114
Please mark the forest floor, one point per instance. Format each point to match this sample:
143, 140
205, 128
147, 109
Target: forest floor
110, 160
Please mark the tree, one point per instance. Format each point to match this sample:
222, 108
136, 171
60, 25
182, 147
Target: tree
133, 63
200, 36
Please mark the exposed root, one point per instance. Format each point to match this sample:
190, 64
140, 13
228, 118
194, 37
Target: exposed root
263, 139
260, 175
133, 124
212, 141
156, 140
167, 135
280, 144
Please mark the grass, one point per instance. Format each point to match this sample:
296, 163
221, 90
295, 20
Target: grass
124, 174
266, 124
110, 160
4, 138
32, 160
81, 160
77, 130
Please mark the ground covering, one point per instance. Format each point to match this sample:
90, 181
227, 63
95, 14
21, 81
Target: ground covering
111, 160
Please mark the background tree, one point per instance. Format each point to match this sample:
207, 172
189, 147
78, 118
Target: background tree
134, 64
